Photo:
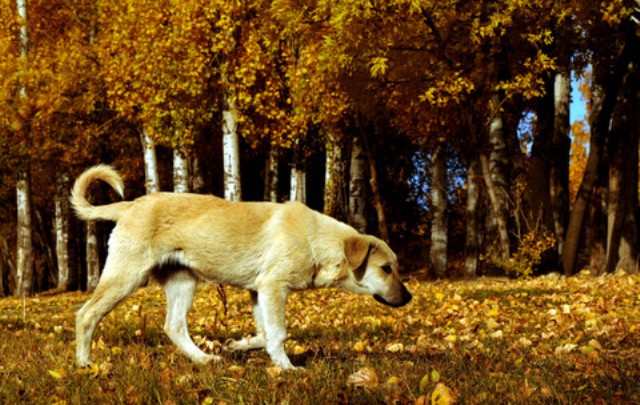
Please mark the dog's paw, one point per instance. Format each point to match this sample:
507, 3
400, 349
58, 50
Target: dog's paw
233, 345
206, 358
84, 364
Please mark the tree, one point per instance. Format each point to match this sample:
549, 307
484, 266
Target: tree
357, 186
24, 268
607, 83
439, 206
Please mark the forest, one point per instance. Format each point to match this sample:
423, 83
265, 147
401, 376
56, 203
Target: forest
442, 127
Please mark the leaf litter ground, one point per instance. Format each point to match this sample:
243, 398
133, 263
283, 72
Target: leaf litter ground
545, 341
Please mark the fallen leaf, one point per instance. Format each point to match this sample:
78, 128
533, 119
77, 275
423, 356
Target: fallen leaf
365, 377
395, 347
58, 374
442, 395
424, 382
274, 371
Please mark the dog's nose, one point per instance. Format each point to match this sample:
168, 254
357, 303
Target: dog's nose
406, 296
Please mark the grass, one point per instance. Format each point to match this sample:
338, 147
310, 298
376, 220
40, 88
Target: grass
538, 341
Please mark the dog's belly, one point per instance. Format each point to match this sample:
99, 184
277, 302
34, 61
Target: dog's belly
228, 268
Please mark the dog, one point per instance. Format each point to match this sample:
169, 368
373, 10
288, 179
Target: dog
270, 249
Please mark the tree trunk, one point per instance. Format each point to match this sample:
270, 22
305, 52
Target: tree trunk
628, 248
623, 178
357, 186
602, 105
539, 167
271, 175
151, 183
231, 151
298, 182
596, 234
439, 206
196, 179
180, 171
93, 260
560, 148
24, 269
7, 267
383, 229
334, 180
472, 247
494, 171
62, 213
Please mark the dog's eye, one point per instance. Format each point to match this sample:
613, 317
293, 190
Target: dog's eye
386, 269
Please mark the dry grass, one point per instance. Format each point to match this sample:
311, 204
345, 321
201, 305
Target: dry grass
540, 341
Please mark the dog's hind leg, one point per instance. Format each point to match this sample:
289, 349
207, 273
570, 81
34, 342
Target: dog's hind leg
252, 342
179, 288
116, 283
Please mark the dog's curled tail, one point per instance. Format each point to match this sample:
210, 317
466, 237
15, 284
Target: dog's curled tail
83, 207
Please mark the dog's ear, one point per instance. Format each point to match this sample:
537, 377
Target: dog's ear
356, 250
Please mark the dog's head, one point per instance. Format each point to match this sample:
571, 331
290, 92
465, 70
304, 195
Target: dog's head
373, 269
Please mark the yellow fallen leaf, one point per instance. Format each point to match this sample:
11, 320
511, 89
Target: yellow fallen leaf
442, 395
424, 382
435, 375
359, 346
439, 296
497, 334
395, 347
365, 377
393, 380
595, 344
299, 350
58, 374
422, 400
274, 371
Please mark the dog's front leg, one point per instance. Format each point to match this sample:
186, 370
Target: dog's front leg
271, 303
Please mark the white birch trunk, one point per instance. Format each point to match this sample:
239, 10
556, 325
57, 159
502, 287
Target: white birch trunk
180, 172
24, 268
357, 186
151, 183
559, 179
495, 177
298, 189
271, 176
93, 261
62, 232
231, 152
439, 206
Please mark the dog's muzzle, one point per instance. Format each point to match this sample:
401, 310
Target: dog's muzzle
405, 298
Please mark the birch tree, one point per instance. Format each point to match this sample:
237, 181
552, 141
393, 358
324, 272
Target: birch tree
271, 173
62, 212
357, 186
439, 206
180, 171
24, 267
151, 182
334, 187
230, 148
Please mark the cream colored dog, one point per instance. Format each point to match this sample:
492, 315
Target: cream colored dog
270, 249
